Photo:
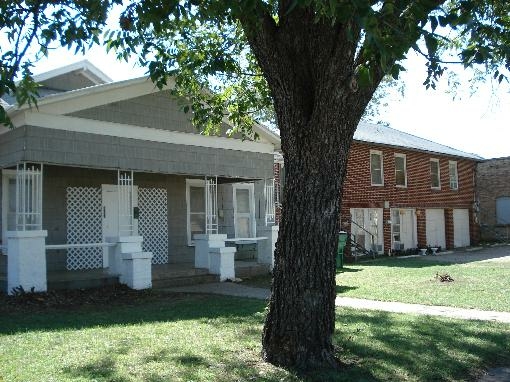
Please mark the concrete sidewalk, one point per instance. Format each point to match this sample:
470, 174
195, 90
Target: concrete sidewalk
226, 289
429, 310
240, 290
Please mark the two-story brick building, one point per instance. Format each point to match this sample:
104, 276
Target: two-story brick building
402, 192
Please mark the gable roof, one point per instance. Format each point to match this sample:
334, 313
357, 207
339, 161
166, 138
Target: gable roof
75, 76
103, 92
82, 68
383, 135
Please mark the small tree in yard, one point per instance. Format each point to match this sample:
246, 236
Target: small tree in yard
313, 65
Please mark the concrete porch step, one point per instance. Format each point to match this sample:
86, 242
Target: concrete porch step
83, 283
184, 281
245, 269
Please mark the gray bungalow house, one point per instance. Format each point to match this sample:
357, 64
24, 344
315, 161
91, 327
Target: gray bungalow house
110, 180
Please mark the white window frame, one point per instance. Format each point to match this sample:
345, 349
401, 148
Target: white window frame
192, 183
251, 214
397, 155
435, 160
454, 183
6, 175
377, 152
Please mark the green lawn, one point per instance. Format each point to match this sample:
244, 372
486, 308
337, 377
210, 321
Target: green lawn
209, 338
477, 284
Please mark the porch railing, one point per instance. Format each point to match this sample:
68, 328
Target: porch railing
88, 245
270, 196
211, 206
3, 248
125, 202
28, 197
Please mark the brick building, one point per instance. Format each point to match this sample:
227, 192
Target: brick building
493, 184
402, 192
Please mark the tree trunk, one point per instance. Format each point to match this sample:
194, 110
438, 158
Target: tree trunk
310, 69
301, 319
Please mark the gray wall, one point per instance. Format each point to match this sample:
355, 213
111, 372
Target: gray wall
69, 148
57, 179
158, 110
12, 146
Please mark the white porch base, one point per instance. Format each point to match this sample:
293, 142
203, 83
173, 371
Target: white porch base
136, 270
132, 264
265, 248
26, 262
211, 253
222, 262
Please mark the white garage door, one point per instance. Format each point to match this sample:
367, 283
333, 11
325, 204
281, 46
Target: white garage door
435, 227
461, 228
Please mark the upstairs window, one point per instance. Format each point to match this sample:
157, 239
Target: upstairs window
454, 176
434, 174
400, 170
376, 168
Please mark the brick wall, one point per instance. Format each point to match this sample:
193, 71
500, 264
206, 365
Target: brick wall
417, 195
359, 193
493, 181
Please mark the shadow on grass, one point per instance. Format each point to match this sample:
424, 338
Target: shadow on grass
406, 347
192, 307
375, 345
347, 269
344, 288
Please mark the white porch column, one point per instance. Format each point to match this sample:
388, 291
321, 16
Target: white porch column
211, 253
26, 260
133, 266
203, 243
265, 248
222, 262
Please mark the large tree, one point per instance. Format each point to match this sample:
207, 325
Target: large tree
313, 65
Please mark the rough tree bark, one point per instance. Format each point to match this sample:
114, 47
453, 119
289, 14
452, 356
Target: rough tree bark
309, 67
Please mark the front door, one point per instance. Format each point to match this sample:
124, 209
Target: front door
403, 226
367, 228
112, 227
461, 228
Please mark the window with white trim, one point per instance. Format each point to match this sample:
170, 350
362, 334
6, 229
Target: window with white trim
195, 208
400, 170
244, 210
376, 168
454, 175
435, 175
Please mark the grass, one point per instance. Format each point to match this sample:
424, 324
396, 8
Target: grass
478, 284
213, 338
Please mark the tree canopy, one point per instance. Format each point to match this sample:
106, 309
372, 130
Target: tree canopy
311, 65
204, 44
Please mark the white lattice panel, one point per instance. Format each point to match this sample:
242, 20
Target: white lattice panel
153, 223
84, 225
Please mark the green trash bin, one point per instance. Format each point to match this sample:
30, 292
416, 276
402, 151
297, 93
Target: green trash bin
342, 240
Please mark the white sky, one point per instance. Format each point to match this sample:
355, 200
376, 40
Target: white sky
478, 124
